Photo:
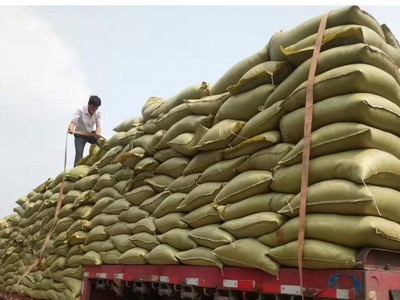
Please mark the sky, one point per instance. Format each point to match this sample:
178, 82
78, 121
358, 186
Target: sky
52, 58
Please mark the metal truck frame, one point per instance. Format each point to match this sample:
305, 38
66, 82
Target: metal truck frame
377, 277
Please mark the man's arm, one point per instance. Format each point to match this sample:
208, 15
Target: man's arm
75, 119
98, 131
98, 124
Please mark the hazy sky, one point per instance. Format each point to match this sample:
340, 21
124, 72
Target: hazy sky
53, 58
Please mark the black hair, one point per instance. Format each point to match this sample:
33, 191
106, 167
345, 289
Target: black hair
94, 100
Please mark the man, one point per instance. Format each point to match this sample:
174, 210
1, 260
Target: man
82, 126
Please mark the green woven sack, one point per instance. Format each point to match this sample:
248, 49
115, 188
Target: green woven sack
247, 253
244, 106
333, 58
345, 15
316, 255
234, 74
368, 109
370, 166
244, 185
348, 198
270, 72
344, 136
350, 231
200, 256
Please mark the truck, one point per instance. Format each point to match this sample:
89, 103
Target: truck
377, 277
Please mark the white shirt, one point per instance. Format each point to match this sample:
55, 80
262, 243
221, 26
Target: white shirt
84, 121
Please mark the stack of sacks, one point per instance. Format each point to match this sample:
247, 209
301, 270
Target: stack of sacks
12, 251
211, 176
106, 209
65, 276
355, 166
233, 186
23, 236
129, 182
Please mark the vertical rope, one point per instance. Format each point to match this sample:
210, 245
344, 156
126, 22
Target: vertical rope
309, 107
38, 262
59, 202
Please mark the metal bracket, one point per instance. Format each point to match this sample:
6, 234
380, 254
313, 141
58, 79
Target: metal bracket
261, 297
395, 294
140, 287
378, 259
118, 288
154, 285
166, 289
208, 293
231, 295
101, 284
190, 292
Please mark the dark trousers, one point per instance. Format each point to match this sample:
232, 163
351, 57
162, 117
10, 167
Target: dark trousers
80, 142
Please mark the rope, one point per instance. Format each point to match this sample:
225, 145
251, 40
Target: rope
88, 134
59, 202
38, 262
307, 145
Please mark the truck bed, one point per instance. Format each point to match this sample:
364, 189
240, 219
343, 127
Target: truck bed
376, 278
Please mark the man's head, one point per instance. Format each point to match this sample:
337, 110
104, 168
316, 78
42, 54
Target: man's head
93, 104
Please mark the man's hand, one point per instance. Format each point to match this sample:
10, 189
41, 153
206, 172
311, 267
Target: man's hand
71, 128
